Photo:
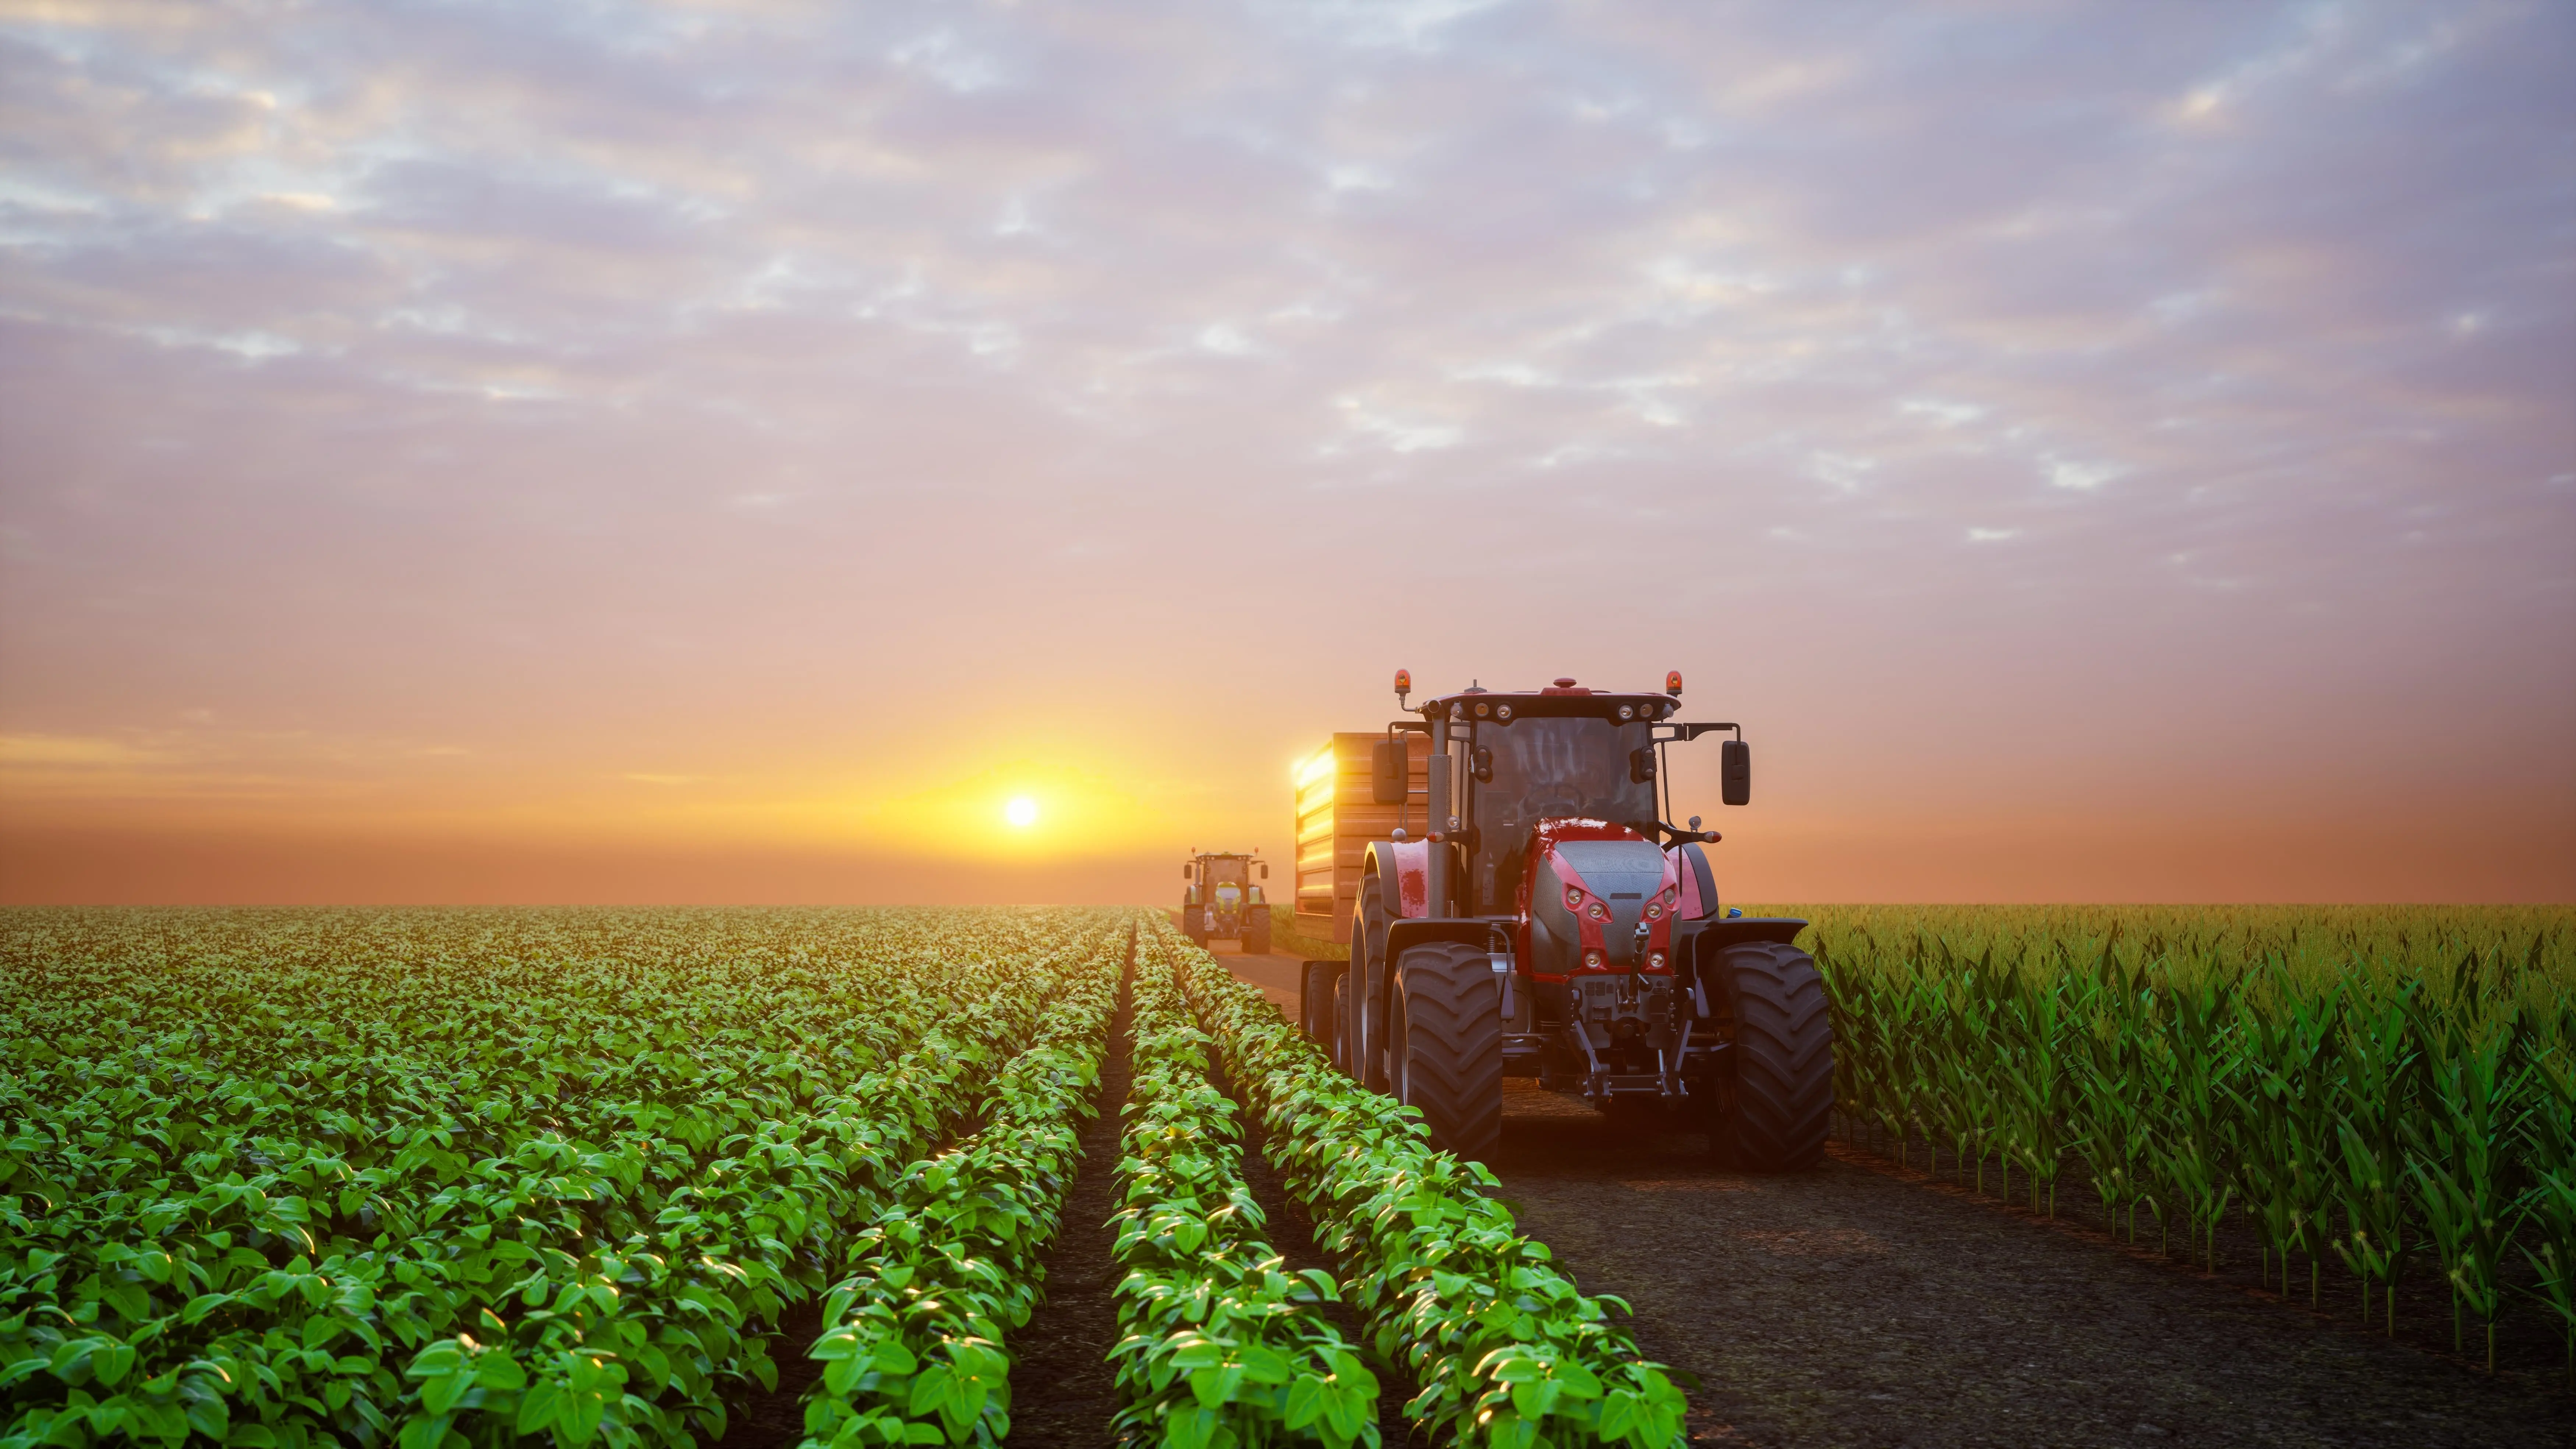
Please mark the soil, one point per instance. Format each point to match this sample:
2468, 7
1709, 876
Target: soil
1062, 1391
2529, 1346
1861, 1304
768, 1420
1292, 1232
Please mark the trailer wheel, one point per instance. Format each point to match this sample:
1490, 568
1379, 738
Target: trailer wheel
1345, 1052
1316, 1000
1774, 1119
1446, 1046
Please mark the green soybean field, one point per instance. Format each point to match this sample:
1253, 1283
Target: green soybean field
438, 1179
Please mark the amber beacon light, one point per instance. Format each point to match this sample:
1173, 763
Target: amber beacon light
1673, 683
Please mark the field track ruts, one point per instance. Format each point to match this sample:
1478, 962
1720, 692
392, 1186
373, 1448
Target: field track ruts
1062, 1389
1848, 1306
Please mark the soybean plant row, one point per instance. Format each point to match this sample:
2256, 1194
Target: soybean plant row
458, 1180
441, 1180
1507, 1351
2385, 1088
1222, 1344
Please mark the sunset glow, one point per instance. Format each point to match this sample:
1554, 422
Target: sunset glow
2119, 453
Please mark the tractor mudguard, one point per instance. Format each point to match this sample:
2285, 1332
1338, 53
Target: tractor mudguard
1699, 883
1403, 872
1696, 943
1718, 933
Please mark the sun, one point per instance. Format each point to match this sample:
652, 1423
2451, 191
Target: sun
1021, 812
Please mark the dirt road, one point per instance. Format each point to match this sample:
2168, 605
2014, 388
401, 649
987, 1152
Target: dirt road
1852, 1306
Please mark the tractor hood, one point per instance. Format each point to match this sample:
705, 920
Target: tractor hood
1590, 885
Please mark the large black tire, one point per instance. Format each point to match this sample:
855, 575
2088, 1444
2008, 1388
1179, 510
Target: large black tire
1771, 1003
1446, 1046
1364, 995
1256, 932
1315, 1001
1339, 1044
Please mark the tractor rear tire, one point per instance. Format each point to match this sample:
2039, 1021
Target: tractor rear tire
1783, 1099
1446, 1046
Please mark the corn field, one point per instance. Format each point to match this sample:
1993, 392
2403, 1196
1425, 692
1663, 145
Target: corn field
2371, 1092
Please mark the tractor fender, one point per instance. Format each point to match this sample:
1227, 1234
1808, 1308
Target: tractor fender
1402, 869
1698, 942
1699, 883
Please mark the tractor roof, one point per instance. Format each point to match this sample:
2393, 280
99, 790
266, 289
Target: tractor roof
1563, 699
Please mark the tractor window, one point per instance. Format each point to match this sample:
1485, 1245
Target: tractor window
1226, 871
1550, 768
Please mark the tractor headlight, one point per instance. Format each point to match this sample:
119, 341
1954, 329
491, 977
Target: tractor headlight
1597, 911
1503, 712
1573, 899
1483, 709
1654, 910
1654, 960
1592, 958
1627, 711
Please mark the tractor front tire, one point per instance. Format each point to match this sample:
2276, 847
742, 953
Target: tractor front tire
1782, 1101
1256, 932
1446, 1046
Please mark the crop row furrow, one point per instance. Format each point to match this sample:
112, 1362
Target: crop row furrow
1221, 1343
914, 1338
1508, 1351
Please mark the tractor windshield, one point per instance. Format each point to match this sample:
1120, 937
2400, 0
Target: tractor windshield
1224, 872
1550, 768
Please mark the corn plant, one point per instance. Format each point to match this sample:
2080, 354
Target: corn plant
2358, 1084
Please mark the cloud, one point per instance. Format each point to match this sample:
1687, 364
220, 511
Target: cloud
72, 751
700, 378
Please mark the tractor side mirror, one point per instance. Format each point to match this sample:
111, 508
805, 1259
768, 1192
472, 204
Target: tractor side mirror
1265, 870
1185, 872
1735, 772
1482, 766
1387, 771
1641, 765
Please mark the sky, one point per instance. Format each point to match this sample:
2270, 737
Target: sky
726, 452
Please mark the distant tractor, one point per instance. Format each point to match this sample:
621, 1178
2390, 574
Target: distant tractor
1223, 903
1539, 918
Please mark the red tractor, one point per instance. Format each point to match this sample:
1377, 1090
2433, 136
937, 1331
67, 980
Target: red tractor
1546, 921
